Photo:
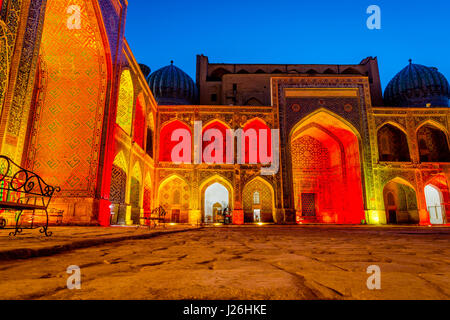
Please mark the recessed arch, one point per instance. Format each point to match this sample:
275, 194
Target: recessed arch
166, 145
433, 143
394, 124
117, 195
312, 72
392, 144
126, 101
262, 207
253, 102
139, 125
137, 171
432, 123
148, 197
135, 193
120, 161
214, 179
400, 201
253, 130
437, 198
219, 146
329, 71
329, 115
174, 196
325, 156
351, 71
243, 71
217, 74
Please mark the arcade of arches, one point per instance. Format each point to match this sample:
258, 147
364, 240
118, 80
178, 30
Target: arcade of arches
83, 116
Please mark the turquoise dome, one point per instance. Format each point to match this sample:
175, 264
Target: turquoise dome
172, 86
417, 86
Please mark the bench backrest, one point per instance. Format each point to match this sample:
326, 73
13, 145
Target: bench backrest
18, 185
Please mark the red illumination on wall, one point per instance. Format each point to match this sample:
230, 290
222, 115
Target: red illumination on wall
223, 130
257, 125
166, 144
327, 173
139, 125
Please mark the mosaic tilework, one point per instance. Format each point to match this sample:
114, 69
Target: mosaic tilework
4, 62
68, 130
125, 104
265, 203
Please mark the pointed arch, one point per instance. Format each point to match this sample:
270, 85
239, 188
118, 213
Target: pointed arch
120, 161
137, 172
437, 202
400, 201
217, 74
166, 145
117, 194
325, 156
253, 129
266, 203
139, 125
135, 193
433, 142
351, 71
392, 144
331, 115
211, 181
312, 72
329, 71
174, 196
394, 124
126, 101
222, 127
253, 102
432, 123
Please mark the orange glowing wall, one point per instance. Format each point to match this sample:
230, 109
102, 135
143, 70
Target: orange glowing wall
68, 120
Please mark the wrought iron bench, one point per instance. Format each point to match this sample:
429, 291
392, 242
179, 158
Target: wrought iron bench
157, 216
22, 190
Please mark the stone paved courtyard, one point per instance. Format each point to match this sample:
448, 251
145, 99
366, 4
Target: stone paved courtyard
270, 262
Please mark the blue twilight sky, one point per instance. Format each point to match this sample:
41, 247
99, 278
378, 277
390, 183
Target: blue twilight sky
289, 31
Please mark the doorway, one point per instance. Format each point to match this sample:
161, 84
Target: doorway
216, 200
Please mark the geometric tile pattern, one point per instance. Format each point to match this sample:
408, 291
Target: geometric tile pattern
4, 62
125, 103
69, 123
265, 203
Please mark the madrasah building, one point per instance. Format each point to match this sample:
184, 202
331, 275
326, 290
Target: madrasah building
78, 109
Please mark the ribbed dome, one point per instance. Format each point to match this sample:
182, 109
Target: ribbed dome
418, 86
172, 86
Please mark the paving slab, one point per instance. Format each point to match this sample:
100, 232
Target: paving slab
249, 263
31, 243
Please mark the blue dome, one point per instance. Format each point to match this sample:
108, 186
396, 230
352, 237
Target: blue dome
417, 86
172, 86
